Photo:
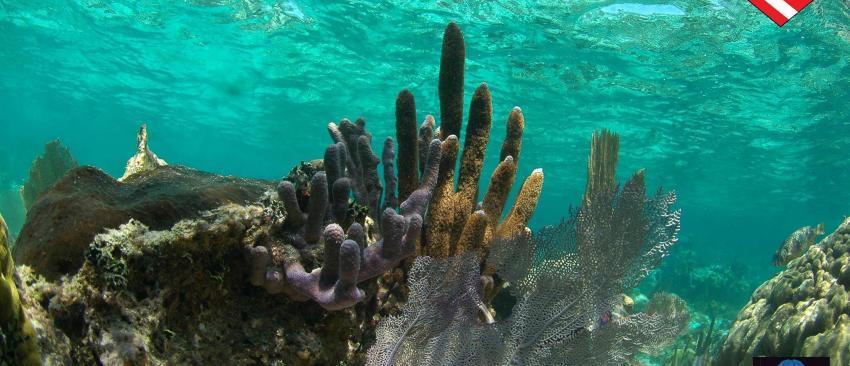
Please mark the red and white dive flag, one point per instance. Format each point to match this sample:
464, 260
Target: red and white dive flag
780, 11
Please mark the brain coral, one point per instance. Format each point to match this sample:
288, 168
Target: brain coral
802, 311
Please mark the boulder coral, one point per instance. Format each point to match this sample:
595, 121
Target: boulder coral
178, 296
802, 311
17, 338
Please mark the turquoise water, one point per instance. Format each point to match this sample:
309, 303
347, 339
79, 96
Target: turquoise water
745, 120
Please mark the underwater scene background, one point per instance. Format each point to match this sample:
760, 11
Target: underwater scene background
743, 119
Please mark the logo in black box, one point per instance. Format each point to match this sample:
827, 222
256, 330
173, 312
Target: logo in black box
790, 361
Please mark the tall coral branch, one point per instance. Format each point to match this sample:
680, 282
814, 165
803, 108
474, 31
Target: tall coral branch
453, 223
450, 86
408, 148
360, 163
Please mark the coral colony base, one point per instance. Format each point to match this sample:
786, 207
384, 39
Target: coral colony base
338, 265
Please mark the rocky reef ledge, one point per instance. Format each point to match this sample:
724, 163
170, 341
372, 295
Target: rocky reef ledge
179, 296
802, 311
63, 221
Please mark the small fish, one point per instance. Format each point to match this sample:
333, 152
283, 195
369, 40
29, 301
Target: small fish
796, 244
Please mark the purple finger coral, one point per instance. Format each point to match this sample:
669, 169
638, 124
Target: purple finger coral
348, 258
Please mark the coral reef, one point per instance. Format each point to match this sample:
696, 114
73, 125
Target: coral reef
701, 352
178, 296
46, 170
708, 287
62, 223
17, 337
145, 159
152, 268
802, 311
457, 222
454, 224
566, 282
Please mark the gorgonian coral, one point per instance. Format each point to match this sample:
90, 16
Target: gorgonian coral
396, 212
46, 170
565, 280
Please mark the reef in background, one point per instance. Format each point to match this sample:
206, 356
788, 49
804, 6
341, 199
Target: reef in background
802, 311
46, 170
12, 207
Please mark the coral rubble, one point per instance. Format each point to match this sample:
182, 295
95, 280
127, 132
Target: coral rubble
46, 170
802, 311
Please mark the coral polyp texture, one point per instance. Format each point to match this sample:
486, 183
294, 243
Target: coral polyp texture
566, 282
456, 222
17, 337
802, 311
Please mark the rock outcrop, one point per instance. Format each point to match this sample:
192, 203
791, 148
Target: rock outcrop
802, 311
179, 296
87, 201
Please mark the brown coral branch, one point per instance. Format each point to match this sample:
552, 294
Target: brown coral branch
408, 148
453, 210
451, 81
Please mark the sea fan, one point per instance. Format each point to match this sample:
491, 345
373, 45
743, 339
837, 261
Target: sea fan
444, 293
566, 280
